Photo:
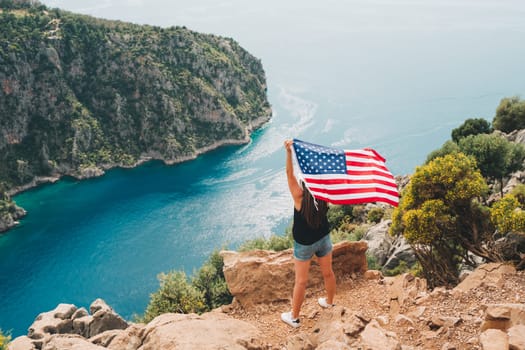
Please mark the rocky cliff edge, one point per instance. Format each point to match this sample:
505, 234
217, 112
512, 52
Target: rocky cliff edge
485, 311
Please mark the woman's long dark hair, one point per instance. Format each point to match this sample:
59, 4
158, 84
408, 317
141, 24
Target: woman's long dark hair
312, 214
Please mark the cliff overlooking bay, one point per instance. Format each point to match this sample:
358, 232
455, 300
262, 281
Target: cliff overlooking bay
79, 95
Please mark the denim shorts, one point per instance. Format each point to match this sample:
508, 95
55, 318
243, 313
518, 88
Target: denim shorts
320, 248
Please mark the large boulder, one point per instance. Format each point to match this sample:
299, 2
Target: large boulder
492, 274
379, 241
103, 319
262, 276
213, 330
374, 337
399, 251
21, 343
388, 251
69, 341
494, 339
57, 321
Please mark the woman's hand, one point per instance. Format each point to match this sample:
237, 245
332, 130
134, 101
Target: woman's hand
288, 145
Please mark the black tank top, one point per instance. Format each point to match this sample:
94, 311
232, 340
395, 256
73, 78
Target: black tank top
304, 234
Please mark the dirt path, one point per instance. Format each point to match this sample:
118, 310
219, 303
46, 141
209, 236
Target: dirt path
371, 298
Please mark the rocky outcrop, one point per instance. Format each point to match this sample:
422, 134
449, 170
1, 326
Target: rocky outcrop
261, 276
379, 241
9, 218
209, 331
492, 274
404, 315
68, 327
388, 251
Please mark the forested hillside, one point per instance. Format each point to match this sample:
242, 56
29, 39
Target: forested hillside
78, 92
79, 95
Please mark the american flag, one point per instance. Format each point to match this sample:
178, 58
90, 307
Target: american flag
344, 177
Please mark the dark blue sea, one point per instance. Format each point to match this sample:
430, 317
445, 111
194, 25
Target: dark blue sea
396, 76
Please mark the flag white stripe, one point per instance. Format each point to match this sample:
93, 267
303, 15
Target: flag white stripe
360, 151
365, 160
353, 186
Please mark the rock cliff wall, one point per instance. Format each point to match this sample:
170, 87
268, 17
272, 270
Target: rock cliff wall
79, 95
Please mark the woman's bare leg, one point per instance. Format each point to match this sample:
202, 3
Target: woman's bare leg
299, 288
325, 263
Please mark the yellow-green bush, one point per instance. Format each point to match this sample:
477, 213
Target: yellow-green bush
507, 215
440, 215
4, 340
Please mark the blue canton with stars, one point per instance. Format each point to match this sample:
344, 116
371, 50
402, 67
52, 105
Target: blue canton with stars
316, 160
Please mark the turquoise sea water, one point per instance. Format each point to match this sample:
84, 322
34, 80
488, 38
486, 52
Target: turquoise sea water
397, 76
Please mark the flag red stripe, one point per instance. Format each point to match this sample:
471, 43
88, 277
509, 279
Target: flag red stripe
358, 200
348, 181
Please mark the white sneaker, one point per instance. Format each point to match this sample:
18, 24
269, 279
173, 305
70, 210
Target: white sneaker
324, 303
287, 318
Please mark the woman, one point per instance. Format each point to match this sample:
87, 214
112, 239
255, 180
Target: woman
311, 236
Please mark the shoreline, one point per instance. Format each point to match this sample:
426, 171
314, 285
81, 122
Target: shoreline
100, 169
11, 221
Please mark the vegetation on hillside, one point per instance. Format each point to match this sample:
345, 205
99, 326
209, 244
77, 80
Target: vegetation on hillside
80, 94
510, 115
206, 291
441, 217
445, 212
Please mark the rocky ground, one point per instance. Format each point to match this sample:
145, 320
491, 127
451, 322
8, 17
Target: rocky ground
442, 319
485, 311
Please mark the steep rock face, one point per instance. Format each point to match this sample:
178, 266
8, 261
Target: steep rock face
79, 94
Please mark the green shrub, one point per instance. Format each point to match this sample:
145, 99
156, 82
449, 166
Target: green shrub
399, 269
174, 295
449, 147
376, 214
207, 290
441, 217
403, 267
337, 235
519, 193
471, 126
372, 262
358, 233
210, 281
510, 114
